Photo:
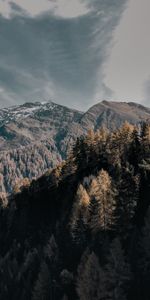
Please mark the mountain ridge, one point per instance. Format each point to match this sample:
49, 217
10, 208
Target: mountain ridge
28, 109
37, 136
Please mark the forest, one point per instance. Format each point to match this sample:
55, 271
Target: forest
82, 230
19, 166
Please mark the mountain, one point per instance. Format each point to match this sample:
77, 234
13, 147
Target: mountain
32, 122
33, 138
82, 230
25, 124
37, 136
114, 114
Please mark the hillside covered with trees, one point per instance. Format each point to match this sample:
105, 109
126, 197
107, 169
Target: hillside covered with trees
37, 136
82, 231
21, 165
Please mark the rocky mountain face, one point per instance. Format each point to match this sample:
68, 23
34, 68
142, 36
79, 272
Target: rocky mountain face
32, 122
37, 136
114, 114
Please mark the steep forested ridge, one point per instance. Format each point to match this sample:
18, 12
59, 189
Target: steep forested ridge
82, 231
36, 136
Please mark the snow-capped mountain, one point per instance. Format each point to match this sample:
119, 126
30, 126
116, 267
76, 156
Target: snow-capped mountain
31, 122
29, 109
37, 136
37, 122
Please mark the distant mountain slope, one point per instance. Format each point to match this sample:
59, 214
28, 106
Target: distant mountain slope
113, 114
52, 128
32, 122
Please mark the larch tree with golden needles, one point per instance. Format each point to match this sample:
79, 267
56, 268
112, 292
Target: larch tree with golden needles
80, 211
103, 202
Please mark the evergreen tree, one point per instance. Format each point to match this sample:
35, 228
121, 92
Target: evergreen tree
144, 192
80, 207
43, 286
80, 216
80, 153
89, 278
128, 196
143, 261
135, 151
145, 137
117, 274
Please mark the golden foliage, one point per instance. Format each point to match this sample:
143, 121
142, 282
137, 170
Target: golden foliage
3, 199
82, 196
20, 184
104, 205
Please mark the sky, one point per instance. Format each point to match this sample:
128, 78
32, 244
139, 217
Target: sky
74, 52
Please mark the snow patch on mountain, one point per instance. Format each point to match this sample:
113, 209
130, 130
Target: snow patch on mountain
29, 109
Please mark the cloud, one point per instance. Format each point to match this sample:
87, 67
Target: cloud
70, 9
54, 56
31, 7
128, 68
62, 8
146, 92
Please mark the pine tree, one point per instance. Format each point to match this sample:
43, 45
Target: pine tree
89, 278
80, 153
80, 214
143, 261
80, 207
144, 192
145, 137
128, 196
117, 273
120, 143
90, 137
43, 286
3, 200
51, 250
135, 151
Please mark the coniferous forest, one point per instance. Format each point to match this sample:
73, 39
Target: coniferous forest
82, 230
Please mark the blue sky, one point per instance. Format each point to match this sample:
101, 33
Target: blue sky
74, 52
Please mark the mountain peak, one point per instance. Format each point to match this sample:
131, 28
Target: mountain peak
52, 129
23, 111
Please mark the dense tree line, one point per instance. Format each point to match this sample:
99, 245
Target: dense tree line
82, 231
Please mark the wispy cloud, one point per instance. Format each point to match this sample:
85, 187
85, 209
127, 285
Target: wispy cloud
59, 54
62, 8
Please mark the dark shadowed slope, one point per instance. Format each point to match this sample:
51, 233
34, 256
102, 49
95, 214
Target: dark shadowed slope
82, 231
